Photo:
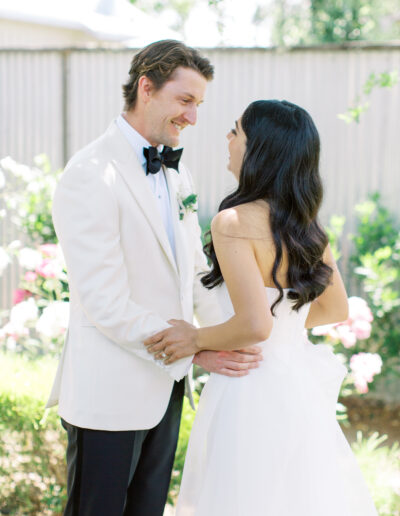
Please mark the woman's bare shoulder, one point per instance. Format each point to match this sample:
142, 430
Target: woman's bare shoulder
249, 220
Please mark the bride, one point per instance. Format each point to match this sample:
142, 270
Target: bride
268, 443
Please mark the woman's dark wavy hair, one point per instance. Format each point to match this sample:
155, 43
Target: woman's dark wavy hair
280, 166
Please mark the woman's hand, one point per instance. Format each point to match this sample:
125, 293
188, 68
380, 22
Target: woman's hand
174, 343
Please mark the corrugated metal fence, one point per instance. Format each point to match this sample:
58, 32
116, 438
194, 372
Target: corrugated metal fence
56, 101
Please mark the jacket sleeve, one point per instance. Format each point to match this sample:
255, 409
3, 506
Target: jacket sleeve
86, 220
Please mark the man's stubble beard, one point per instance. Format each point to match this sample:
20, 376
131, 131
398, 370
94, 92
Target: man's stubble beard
166, 140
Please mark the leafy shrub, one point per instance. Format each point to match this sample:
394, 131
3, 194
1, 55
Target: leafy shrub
27, 196
381, 469
376, 259
32, 450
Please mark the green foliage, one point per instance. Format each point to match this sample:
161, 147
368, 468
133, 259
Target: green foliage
334, 231
188, 415
181, 9
376, 228
27, 197
333, 21
32, 448
300, 23
381, 80
381, 469
377, 263
344, 20
353, 113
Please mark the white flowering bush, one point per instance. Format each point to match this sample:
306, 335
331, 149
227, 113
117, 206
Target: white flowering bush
37, 321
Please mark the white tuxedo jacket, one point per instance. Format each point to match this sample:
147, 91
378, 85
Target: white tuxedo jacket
124, 285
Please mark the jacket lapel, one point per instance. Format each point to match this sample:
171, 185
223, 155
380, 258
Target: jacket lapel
125, 160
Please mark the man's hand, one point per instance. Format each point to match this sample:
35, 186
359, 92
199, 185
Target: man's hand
230, 363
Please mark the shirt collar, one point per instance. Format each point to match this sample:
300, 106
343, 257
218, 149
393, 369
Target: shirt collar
137, 141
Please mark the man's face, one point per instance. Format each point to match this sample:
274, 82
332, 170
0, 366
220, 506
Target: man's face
169, 110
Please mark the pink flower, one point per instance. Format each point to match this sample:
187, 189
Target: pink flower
346, 335
49, 269
362, 329
49, 250
20, 295
30, 276
364, 367
361, 385
359, 310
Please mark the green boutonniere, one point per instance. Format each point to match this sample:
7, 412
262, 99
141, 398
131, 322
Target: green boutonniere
187, 204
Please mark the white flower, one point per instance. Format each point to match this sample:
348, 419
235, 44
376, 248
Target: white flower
4, 260
15, 244
29, 258
22, 313
24, 172
322, 330
54, 320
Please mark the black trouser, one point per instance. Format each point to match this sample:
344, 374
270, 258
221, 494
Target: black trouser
122, 473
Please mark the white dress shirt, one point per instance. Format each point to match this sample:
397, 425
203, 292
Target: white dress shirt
157, 182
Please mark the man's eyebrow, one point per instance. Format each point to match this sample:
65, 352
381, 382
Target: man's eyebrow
237, 125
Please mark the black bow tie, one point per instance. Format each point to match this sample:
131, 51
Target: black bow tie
168, 157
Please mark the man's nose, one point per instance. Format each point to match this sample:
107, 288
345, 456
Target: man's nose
191, 115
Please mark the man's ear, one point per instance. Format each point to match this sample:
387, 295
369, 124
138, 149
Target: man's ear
145, 88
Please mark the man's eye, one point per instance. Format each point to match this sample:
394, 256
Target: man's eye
185, 101
233, 131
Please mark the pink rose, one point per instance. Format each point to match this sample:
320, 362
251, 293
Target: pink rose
30, 276
48, 269
361, 385
359, 310
364, 367
49, 250
362, 329
346, 336
20, 295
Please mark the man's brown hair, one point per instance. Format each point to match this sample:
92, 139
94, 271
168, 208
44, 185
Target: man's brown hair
158, 61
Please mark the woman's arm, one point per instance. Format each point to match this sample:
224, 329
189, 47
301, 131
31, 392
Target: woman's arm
252, 320
331, 306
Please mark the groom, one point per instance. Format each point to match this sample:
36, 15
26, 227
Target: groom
133, 254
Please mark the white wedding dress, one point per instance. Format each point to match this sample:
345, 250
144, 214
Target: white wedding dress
268, 444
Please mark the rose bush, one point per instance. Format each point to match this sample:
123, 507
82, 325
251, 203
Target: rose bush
38, 320
345, 337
